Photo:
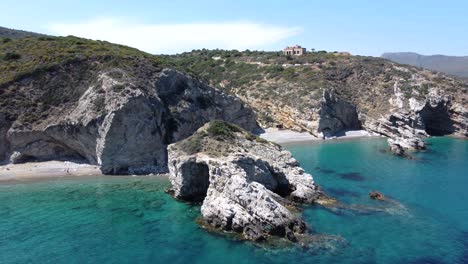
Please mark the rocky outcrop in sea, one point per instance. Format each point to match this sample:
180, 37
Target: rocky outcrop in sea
246, 185
406, 128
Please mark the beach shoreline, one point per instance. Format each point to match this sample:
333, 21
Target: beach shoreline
33, 171
54, 170
285, 136
46, 170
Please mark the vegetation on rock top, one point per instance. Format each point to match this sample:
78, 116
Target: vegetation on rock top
217, 138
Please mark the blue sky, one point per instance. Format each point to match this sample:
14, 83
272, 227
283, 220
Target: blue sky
359, 26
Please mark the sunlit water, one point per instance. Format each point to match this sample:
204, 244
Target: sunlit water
132, 220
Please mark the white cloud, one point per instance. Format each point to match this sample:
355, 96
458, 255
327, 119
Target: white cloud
175, 38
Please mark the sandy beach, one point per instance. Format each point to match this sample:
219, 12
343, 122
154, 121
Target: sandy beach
284, 136
57, 169
281, 136
49, 169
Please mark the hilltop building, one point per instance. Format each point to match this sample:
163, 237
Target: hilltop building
294, 50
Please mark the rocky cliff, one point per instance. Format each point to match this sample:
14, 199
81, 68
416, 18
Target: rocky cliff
435, 115
119, 110
336, 115
247, 185
326, 93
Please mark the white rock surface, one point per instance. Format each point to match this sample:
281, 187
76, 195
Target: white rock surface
406, 128
246, 188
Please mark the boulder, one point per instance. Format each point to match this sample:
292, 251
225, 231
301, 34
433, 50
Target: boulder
396, 148
376, 196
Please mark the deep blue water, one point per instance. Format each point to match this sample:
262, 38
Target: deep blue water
132, 220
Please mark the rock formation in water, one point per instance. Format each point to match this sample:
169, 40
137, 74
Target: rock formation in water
436, 115
247, 185
376, 196
116, 112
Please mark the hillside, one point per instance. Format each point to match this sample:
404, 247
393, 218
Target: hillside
30, 59
65, 85
14, 33
66, 98
299, 81
452, 65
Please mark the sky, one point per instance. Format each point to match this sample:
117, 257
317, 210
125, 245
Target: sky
364, 27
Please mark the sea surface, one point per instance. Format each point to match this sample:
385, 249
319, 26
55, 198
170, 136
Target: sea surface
132, 219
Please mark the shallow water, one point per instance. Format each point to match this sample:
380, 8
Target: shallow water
131, 219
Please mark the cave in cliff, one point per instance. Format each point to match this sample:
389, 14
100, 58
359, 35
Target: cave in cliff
201, 181
437, 119
337, 116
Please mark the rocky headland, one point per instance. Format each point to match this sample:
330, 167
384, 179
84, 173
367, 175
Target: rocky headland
327, 94
113, 108
247, 185
119, 113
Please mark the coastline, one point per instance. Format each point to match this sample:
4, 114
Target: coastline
45, 170
33, 171
50, 170
285, 136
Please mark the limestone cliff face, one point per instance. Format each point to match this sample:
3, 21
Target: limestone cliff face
336, 115
246, 184
121, 119
435, 115
325, 93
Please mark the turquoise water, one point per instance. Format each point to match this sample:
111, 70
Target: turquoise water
132, 220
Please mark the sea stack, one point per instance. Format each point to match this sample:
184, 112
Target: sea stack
247, 185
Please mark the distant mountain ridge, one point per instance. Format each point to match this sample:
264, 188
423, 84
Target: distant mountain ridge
14, 33
453, 65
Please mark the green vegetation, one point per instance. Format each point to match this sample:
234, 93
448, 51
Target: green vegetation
11, 56
41, 73
276, 86
193, 144
217, 139
221, 130
26, 56
252, 137
7, 33
297, 82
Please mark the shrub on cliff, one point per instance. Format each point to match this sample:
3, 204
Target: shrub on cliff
11, 56
222, 130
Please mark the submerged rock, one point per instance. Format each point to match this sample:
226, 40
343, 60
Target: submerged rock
247, 185
396, 148
376, 195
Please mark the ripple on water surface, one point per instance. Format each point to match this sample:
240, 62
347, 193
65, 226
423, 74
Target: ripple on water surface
132, 219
